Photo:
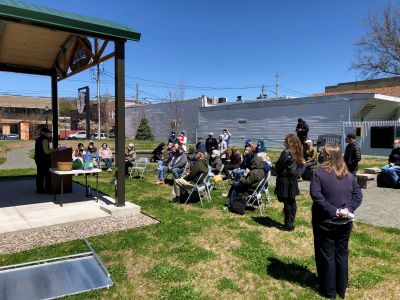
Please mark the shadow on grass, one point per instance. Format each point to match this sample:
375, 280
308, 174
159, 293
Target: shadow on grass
291, 272
267, 222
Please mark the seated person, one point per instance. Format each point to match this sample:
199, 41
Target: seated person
157, 152
176, 165
130, 156
78, 153
92, 150
310, 156
215, 162
166, 157
248, 182
393, 166
191, 157
261, 147
181, 184
248, 155
233, 163
200, 146
266, 163
106, 156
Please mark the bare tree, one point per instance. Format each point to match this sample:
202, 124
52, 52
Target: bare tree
378, 51
176, 108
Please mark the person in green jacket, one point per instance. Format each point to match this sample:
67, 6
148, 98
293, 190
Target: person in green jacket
248, 182
181, 184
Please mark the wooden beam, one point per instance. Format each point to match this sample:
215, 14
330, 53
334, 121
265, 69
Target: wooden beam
80, 41
120, 120
54, 108
25, 69
102, 48
104, 58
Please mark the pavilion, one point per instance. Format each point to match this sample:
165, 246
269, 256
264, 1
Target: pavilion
43, 41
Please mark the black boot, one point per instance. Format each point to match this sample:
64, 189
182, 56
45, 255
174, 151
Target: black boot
286, 212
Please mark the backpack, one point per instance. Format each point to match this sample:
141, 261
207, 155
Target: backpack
239, 204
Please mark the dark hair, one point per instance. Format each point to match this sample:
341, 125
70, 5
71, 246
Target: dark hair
351, 136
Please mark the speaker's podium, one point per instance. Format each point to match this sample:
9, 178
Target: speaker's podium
62, 155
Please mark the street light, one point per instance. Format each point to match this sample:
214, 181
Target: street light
46, 111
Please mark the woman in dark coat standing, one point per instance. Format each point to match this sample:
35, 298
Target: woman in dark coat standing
336, 195
287, 188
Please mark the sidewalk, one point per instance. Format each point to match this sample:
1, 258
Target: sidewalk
18, 159
380, 206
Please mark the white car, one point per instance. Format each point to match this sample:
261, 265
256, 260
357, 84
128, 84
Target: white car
77, 135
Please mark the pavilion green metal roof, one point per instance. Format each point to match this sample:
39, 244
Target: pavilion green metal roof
61, 20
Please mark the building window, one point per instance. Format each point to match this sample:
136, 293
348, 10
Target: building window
382, 137
111, 115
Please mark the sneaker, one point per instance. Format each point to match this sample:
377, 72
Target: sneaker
225, 195
225, 208
160, 182
109, 170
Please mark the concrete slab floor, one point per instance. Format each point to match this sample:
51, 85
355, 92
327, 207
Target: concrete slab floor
21, 208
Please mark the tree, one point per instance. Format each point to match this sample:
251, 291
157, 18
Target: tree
176, 106
378, 51
144, 131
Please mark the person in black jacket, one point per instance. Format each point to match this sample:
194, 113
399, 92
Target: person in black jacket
302, 129
287, 169
173, 138
211, 143
42, 160
336, 195
352, 154
393, 166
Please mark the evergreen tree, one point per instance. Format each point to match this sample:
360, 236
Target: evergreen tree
144, 131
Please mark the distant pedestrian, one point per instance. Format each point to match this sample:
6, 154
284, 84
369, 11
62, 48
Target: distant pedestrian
352, 154
200, 146
302, 129
222, 147
182, 140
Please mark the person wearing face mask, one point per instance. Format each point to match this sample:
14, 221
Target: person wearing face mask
393, 166
173, 139
105, 155
182, 140
261, 147
216, 162
211, 143
227, 136
222, 147
78, 153
92, 150
130, 156
42, 160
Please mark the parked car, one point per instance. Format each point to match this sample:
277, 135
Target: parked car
2, 136
102, 136
12, 136
77, 135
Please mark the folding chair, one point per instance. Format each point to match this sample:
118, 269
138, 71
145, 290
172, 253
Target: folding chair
257, 196
200, 187
265, 190
139, 165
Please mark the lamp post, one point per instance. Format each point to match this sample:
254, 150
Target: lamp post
46, 111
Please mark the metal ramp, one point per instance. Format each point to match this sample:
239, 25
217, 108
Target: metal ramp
55, 277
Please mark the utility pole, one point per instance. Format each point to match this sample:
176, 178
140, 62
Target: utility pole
262, 92
276, 84
137, 92
98, 100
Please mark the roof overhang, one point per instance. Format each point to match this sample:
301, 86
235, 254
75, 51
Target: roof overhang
378, 107
44, 41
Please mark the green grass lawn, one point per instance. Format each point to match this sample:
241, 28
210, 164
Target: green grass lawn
203, 252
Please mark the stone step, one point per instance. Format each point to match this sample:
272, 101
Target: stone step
372, 170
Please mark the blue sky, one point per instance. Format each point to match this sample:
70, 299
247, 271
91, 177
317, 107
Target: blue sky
221, 44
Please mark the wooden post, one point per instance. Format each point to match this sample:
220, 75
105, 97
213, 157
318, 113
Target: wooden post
120, 120
54, 108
